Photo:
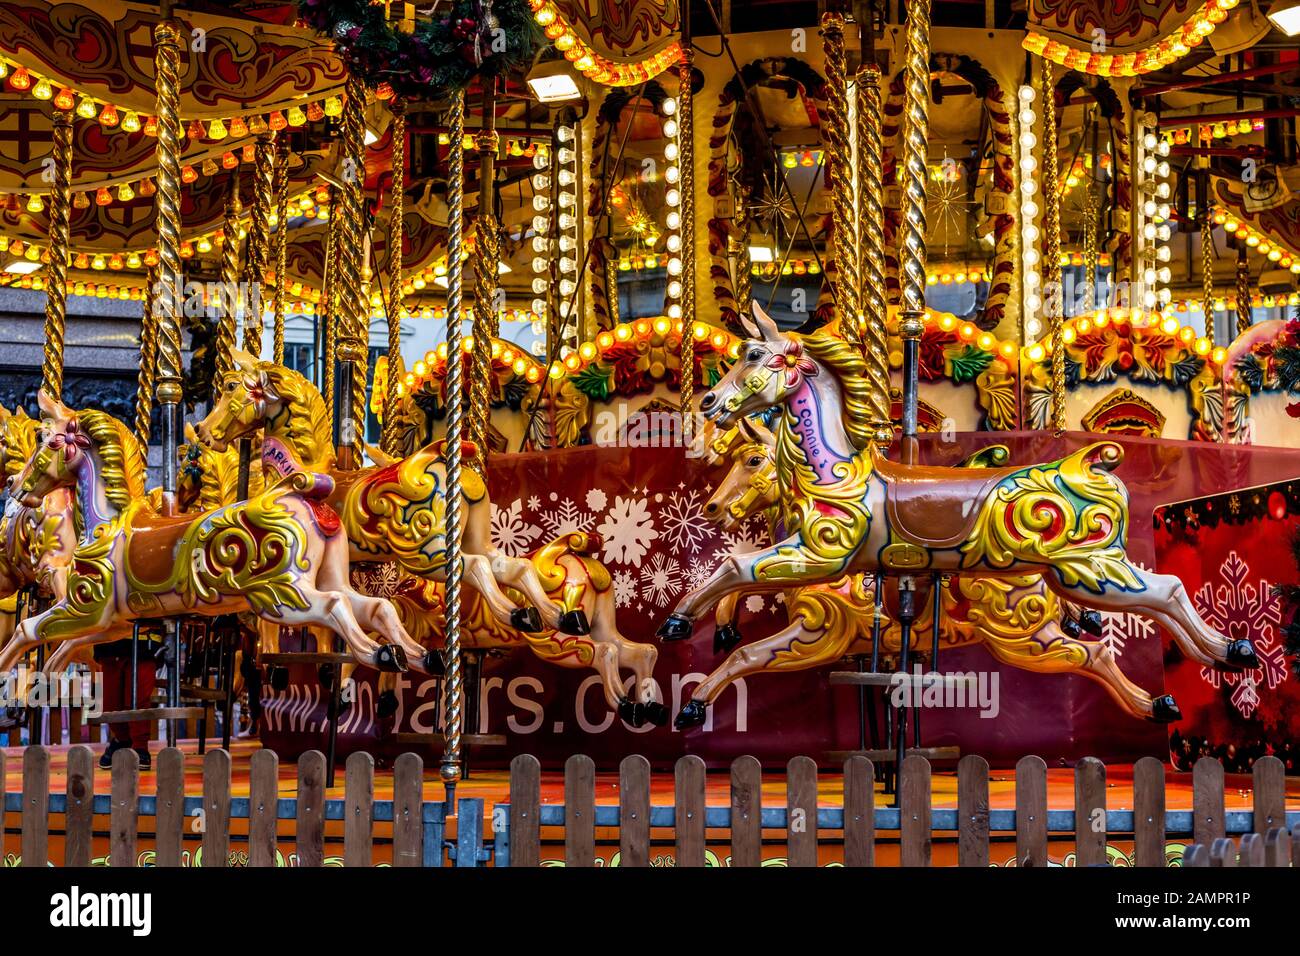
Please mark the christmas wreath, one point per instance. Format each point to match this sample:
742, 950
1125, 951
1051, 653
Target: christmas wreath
444, 53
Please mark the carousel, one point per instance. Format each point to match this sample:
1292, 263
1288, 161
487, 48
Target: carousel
642, 433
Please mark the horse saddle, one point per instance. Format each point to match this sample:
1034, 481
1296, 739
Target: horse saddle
932, 506
151, 547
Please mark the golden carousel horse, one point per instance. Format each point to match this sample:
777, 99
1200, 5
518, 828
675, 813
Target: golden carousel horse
1017, 619
280, 554
392, 513
856, 511
36, 543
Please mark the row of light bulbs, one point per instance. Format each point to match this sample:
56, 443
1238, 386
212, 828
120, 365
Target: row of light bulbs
562, 247
673, 202
1153, 211
1031, 279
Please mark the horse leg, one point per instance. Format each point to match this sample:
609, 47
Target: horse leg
637, 657
478, 572
726, 634
1172, 597
331, 609
520, 573
477, 544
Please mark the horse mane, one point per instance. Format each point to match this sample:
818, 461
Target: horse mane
119, 453
310, 430
19, 441
849, 366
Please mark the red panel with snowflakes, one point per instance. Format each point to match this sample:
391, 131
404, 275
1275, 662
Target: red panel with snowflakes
1232, 550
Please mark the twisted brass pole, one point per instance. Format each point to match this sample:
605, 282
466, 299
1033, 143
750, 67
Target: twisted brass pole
1244, 310
56, 296
686, 163
1207, 272
916, 137
874, 304
390, 439
454, 688
487, 257
329, 300
148, 374
353, 308
258, 247
744, 282
1051, 270
1090, 212
281, 187
845, 289
227, 322
166, 309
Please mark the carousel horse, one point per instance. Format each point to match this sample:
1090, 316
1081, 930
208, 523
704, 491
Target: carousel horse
394, 513
856, 511
1017, 619
279, 554
36, 543
575, 579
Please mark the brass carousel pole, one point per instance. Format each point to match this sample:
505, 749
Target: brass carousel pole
166, 309
56, 299
353, 310
450, 769
227, 323
1245, 314
1054, 300
487, 258
839, 158
916, 137
686, 162
281, 189
873, 301
390, 439
329, 302
256, 256
146, 381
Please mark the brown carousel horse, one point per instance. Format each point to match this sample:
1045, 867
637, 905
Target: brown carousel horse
1017, 619
280, 554
393, 513
856, 511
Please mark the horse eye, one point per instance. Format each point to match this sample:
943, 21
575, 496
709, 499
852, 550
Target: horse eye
755, 462
755, 354
230, 386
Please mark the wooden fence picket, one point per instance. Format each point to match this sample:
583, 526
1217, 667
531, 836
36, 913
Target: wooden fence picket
169, 823
1196, 855
1275, 848
1270, 794
525, 810
579, 811
263, 807
1031, 812
914, 811
746, 812
1252, 850
1207, 801
689, 782
1149, 812
1223, 852
1090, 812
36, 806
216, 808
79, 821
310, 831
359, 807
801, 811
634, 811
972, 811
408, 810
859, 812
124, 809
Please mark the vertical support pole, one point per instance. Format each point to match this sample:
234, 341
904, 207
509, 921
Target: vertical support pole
450, 767
1053, 300
487, 258
1245, 314
227, 323
330, 301
353, 309
146, 379
915, 145
281, 189
906, 615
686, 162
56, 298
167, 63
871, 248
391, 437
255, 274
845, 289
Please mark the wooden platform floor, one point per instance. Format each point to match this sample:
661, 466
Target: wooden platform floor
493, 785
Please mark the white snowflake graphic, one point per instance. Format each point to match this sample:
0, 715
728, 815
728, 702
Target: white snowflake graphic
534, 502
565, 518
683, 521
624, 588
627, 530
661, 578
597, 499
510, 532
1238, 608
754, 603
1118, 629
744, 539
698, 573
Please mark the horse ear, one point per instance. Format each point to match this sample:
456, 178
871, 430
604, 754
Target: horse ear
747, 427
244, 361
748, 325
51, 407
761, 433
766, 325
191, 435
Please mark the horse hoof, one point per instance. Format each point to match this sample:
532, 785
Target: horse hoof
526, 619
1241, 655
1070, 627
631, 713
386, 705
325, 674
574, 622
692, 715
279, 678
1091, 621
434, 664
725, 638
389, 657
1164, 710
678, 627
655, 713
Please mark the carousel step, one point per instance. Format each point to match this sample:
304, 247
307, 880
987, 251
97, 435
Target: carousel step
149, 713
893, 679
306, 657
438, 740
889, 756
194, 692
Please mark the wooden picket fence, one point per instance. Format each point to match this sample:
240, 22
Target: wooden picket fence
518, 827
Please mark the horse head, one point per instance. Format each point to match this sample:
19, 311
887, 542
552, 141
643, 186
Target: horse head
55, 455
769, 367
750, 486
247, 398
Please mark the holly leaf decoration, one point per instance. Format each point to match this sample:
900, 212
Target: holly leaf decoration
967, 364
596, 381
